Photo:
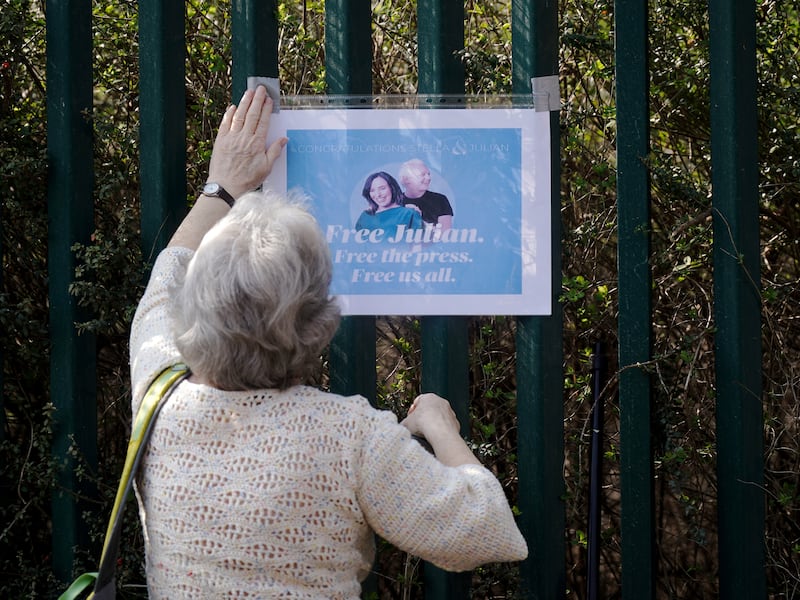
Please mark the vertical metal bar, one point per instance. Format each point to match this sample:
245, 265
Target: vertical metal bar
352, 358
534, 27
633, 209
70, 220
445, 348
534, 36
348, 47
2, 346
737, 306
255, 42
540, 441
440, 36
348, 70
162, 113
447, 373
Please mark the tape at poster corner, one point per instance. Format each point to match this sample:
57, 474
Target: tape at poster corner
546, 93
273, 86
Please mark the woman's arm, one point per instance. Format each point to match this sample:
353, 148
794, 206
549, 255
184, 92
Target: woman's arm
447, 510
240, 162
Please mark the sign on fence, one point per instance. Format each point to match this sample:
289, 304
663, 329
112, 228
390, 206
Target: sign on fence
443, 212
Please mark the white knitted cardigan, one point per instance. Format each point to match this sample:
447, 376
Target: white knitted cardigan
276, 494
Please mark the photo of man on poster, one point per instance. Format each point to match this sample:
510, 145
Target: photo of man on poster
415, 178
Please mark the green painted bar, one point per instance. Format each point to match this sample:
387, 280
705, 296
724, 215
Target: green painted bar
540, 413
71, 220
352, 358
634, 329
348, 46
440, 36
540, 447
255, 42
737, 307
445, 364
2, 349
445, 346
348, 70
162, 113
534, 37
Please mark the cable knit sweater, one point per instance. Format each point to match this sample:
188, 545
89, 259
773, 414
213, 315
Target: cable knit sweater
276, 494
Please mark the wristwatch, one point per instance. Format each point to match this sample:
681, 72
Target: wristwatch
215, 190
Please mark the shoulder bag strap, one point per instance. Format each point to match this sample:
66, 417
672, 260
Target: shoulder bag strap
142, 427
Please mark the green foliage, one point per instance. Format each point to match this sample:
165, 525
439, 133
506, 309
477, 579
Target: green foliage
301, 46
487, 52
26, 484
394, 47
682, 291
110, 270
108, 278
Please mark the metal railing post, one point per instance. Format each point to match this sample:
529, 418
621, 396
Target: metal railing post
162, 122
348, 70
741, 509
540, 383
445, 352
254, 46
634, 324
348, 64
70, 220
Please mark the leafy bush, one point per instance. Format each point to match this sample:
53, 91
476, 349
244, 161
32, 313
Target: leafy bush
109, 277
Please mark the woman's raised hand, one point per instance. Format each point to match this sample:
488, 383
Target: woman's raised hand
240, 160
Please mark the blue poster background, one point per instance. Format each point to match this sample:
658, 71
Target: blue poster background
479, 170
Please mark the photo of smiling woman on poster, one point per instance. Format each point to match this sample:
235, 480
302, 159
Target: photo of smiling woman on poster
386, 210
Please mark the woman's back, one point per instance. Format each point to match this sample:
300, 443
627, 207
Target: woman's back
256, 491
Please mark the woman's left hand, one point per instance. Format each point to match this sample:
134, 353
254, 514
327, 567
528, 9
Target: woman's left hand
240, 160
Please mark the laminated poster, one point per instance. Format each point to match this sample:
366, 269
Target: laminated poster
427, 212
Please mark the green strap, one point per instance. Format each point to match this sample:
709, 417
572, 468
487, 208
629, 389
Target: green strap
152, 402
147, 410
80, 585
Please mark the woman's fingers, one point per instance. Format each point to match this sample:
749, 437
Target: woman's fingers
240, 117
240, 156
274, 151
251, 116
227, 118
257, 116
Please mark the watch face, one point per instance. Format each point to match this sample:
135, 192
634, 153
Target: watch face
211, 189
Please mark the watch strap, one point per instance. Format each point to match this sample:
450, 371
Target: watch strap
215, 190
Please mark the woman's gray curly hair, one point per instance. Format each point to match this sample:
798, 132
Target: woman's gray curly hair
253, 310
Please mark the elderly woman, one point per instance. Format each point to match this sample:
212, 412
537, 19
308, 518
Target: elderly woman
254, 484
385, 201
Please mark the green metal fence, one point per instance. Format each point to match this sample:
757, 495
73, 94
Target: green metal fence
535, 41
